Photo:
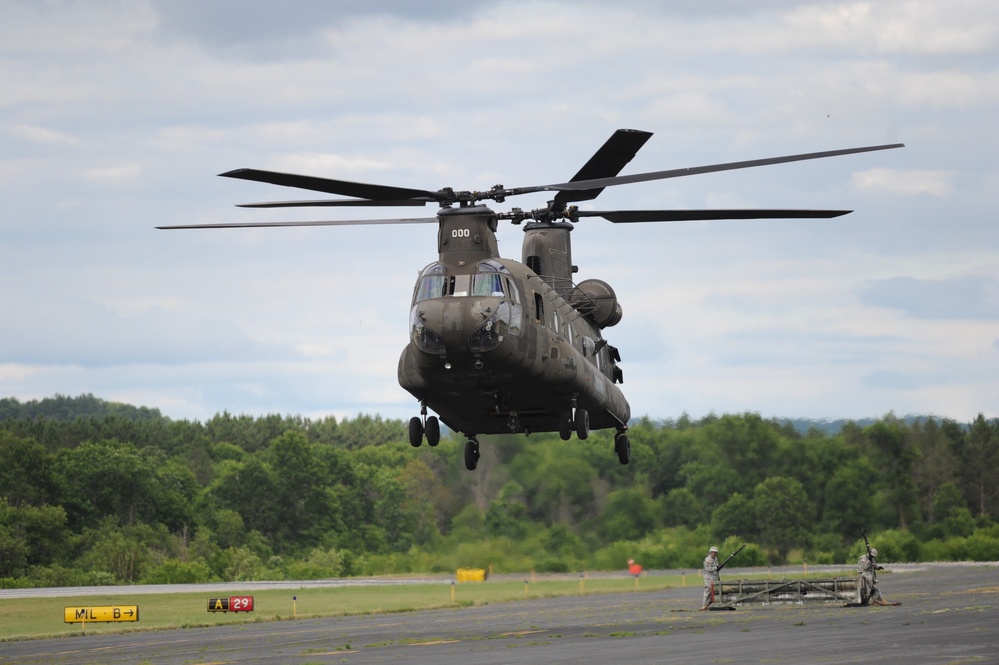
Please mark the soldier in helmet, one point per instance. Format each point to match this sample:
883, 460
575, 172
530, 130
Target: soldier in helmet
867, 567
711, 577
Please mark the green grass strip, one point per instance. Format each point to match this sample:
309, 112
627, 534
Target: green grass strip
32, 618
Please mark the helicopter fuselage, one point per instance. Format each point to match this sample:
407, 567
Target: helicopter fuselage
495, 347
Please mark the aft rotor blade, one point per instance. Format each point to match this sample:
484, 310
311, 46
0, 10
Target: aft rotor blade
322, 203
341, 187
625, 216
608, 161
710, 168
332, 222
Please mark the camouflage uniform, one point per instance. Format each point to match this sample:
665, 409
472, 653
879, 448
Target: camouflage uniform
869, 591
711, 576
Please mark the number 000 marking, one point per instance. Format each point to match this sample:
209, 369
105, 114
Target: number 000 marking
460, 233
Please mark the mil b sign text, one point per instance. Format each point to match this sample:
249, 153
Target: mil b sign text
101, 613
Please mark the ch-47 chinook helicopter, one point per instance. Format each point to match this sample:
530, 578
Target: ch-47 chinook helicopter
498, 345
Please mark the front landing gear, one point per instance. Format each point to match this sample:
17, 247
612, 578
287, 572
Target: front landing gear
422, 424
415, 432
433, 431
622, 446
471, 453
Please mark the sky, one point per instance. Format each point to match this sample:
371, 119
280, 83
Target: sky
117, 116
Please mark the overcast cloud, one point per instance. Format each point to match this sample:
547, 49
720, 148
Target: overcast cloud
115, 117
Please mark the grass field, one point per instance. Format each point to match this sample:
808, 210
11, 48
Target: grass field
30, 618
27, 618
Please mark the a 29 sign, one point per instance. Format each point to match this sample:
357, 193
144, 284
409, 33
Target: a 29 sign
231, 604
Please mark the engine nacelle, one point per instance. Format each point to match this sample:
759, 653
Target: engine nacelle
596, 300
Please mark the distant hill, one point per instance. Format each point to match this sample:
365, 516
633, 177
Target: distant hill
63, 408
831, 427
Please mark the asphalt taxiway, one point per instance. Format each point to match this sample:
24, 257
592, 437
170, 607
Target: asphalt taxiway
950, 614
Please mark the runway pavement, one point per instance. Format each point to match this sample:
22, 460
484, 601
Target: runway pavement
950, 614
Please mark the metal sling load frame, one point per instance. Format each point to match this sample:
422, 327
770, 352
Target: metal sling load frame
785, 592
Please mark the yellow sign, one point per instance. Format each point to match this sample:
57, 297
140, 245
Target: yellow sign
105, 613
471, 575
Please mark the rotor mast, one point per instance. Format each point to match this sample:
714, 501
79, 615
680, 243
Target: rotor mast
467, 234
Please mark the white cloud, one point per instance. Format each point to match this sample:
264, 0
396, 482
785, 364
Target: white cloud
318, 163
16, 373
68, 29
948, 88
912, 182
902, 27
967, 297
37, 134
113, 174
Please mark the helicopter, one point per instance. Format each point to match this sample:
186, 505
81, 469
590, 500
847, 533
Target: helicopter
498, 345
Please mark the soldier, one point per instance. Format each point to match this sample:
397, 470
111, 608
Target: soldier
711, 577
869, 591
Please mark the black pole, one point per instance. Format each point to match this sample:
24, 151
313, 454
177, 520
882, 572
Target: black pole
731, 556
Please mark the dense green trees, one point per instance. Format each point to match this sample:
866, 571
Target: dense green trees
783, 514
93, 492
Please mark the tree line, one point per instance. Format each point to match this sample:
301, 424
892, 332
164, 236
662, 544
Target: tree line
94, 492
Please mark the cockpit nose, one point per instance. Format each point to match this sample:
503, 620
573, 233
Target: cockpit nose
452, 326
468, 312
461, 325
426, 328
445, 317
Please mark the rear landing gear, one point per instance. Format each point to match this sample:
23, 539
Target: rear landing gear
573, 419
582, 423
565, 424
471, 453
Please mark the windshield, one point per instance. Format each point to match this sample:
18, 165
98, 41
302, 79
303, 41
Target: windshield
432, 283
432, 286
487, 284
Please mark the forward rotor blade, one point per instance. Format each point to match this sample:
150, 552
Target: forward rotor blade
341, 187
626, 216
695, 170
334, 222
332, 203
608, 161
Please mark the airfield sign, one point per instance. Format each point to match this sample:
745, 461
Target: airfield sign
101, 613
231, 604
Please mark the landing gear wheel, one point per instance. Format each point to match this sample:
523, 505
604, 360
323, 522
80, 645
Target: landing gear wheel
622, 446
433, 431
415, 431
565, 424
471, 454
582, 423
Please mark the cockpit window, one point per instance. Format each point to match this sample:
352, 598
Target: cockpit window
511, 292
488, 281
487, 284
493, 266
432, 284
